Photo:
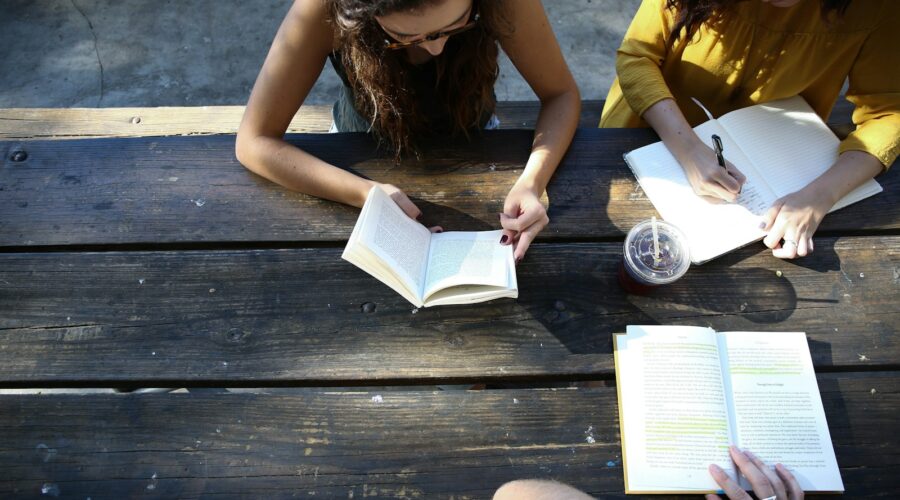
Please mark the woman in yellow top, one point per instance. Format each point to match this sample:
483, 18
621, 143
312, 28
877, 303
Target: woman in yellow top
730, 54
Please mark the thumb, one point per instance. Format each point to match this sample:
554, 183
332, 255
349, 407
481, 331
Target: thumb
509, 235
771, 213
408, 207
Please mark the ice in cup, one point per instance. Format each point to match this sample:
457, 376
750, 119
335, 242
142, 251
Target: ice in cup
642, 269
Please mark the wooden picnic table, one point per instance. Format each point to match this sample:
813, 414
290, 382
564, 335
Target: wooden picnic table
160, 262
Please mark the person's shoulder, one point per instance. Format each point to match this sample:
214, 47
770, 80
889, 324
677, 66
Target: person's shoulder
310, 18
866, 15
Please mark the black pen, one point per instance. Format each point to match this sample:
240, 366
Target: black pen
717, 143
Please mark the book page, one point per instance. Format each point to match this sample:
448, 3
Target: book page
673, 412
786, 140
467, 258
712, 229
789, 145
777, 407
399, 241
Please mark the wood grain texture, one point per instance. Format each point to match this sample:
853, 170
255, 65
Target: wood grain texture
85, 123
296, 315
75, 123
411, 444
192, 189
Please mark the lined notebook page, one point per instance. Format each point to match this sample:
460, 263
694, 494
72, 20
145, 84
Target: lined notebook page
711, 229
789, 145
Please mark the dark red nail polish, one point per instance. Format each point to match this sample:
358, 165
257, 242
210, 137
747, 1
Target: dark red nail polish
439, 231
504, 239
419, 217
518, 260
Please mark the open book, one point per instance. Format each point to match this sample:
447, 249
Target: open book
780, 146
427, 269
687, 393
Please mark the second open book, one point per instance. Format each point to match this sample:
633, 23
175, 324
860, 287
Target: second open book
687, 393
428, 269
780, 146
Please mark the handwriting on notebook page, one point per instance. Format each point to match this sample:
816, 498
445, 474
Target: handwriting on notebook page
753, 199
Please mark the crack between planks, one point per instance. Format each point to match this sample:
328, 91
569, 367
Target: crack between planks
529, 447
49, 327
411, 382
106, 325
96, 48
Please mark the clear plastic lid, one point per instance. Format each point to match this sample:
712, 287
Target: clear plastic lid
674, 253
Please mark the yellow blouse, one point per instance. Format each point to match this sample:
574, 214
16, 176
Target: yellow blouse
760, 53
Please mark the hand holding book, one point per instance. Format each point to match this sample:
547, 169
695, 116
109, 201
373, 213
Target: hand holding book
687, 393
767, 483
458, 267
523, 217
405, 204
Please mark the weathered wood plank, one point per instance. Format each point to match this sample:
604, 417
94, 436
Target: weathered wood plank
258, 316
84, 123
405, 444
192, 189
74, 123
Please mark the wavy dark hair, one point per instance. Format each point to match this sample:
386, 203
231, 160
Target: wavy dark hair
467, 69
690, 14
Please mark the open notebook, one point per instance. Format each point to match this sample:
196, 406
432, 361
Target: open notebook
780, 146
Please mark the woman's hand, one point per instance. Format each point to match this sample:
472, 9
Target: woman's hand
767, 483
523, 217
405, 204
402, 201
706, 176
795, 219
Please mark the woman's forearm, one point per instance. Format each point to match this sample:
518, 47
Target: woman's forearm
672, 127
851, 169
298, 170
553, 133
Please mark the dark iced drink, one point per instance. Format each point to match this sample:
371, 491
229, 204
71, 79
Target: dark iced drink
649, 262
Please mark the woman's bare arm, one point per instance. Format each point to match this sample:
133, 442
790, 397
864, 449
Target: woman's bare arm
293, 65
533, 49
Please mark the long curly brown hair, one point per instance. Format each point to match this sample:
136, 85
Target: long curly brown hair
690, 14
467, 69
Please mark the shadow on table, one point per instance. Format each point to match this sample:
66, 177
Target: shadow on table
570, 292
716, 297
442, 215
587, 305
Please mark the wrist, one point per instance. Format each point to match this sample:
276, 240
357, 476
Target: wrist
682, 146
529, 184
362, 191
822, 196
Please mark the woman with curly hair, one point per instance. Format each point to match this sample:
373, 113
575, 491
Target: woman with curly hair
730, 54
411, 69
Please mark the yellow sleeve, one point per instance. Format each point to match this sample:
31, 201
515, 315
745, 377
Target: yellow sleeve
875, 91
641, 55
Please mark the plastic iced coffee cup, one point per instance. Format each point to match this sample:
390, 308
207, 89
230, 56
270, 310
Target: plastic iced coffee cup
643, 269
